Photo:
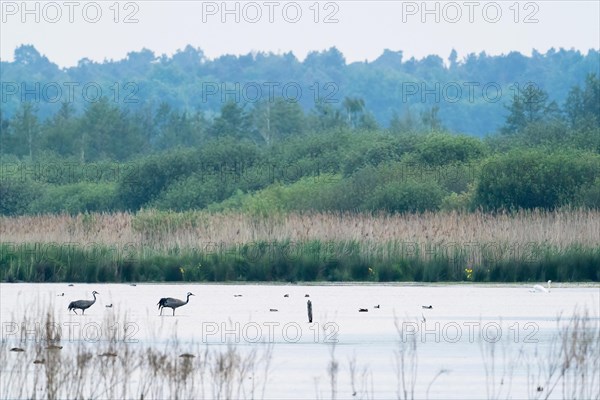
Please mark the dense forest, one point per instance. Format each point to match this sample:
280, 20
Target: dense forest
470, 94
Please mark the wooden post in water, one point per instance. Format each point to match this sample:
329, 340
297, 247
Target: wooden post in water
309, 307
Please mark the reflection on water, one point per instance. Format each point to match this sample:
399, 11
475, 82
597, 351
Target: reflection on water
467, 330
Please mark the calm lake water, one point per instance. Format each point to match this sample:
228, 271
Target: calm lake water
450, 336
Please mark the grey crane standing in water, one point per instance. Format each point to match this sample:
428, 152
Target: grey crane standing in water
173, 303
82, 304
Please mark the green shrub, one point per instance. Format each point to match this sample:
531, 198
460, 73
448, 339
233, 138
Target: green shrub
444, 148
192, 192
76, 198
589, 195
409, 196
16, 195
534, 179
152, 174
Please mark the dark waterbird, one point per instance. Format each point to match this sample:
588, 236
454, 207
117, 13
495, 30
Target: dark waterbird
173, 303
82, 304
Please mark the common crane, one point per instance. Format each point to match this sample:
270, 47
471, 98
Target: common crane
173, 303
82, 304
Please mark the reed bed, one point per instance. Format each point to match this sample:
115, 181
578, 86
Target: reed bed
153, 245
166, 230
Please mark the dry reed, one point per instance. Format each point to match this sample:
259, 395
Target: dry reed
163, 231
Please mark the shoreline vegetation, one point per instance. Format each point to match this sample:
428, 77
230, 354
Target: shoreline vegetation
566, 364
198, 246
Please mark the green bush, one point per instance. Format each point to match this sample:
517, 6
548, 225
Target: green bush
375, 151
459, 201
16, 195
409, 196
221, 161
444, 148
589, 195
192, 192
152, 174
534, 179
76, 198
309, 193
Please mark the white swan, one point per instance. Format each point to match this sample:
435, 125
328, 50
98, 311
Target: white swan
540, 288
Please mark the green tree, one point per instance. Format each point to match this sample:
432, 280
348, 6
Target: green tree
403, 124
529, 105
26, 130
174, 129
431, 120
60, 131
278, 119
325, 117
105, 131
354, 107
232, 122
368, 122
6, 139
583, 106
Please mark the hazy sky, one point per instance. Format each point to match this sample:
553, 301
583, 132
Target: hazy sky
66, 31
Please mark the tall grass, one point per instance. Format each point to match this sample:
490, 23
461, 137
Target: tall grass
567, 364
151, 245
111, 368
570, 364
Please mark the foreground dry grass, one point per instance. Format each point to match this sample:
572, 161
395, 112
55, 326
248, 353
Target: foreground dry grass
162, 231
565, 365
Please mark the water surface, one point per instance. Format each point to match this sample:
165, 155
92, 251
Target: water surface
451, 336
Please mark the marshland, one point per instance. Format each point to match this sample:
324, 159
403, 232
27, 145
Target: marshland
375, 245
527, 246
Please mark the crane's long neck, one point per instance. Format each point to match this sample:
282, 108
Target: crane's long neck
188, 299
94, 294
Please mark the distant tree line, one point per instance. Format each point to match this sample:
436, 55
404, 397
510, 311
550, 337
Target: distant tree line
467, 96
275, 157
